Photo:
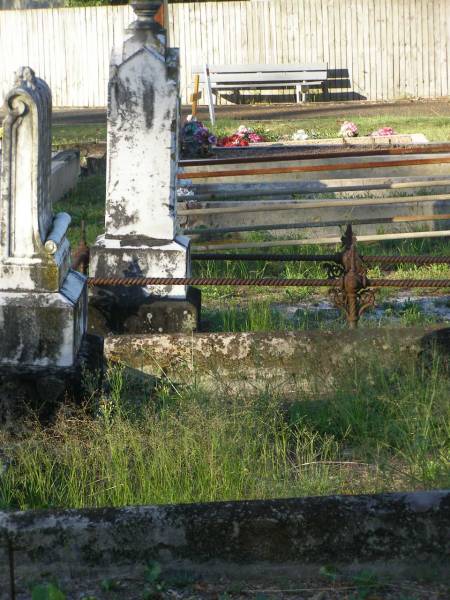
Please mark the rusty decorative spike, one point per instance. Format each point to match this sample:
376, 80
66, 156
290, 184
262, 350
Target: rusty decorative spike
352, 295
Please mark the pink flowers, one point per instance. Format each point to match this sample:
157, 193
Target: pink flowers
384, 131
348, 129
244, 136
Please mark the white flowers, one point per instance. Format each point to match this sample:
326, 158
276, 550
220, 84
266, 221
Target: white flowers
300, 135
184, 191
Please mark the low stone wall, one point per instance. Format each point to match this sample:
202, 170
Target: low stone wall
65, 173
394, 534
291, 360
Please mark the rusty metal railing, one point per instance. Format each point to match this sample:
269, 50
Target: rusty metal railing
350, 287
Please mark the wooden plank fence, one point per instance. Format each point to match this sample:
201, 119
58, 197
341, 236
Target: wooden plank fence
375, 49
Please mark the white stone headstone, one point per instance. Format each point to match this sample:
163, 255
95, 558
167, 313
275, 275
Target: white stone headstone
143, 121
26, 217
42, 302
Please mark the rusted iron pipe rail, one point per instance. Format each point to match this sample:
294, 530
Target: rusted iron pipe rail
350, 288
262, 282
368, 259
312, 224
219, 281
269, 257
314, 168
307, 155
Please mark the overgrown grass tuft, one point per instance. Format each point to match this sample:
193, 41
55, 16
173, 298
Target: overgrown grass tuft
377, 430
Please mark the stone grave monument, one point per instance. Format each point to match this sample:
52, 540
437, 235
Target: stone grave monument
142, 155
42, 301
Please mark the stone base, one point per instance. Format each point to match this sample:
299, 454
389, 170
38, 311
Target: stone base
150, 309
136, 257
155, 315
27, 392
43, 330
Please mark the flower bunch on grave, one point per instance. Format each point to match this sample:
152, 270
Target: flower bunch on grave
196, 139
384, 131
348, 129
244, 136
300, 135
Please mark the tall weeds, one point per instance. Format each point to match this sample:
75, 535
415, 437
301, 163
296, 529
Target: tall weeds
378, 430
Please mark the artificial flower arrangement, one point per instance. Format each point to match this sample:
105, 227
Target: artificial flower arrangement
300, 135
244, 136
384, 131
196, 139
348, 129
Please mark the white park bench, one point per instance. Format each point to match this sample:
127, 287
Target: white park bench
240, 77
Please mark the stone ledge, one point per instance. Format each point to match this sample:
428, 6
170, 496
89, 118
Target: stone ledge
394, 533
291, 360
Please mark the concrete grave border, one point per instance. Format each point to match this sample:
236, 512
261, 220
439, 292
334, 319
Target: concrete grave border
394, 534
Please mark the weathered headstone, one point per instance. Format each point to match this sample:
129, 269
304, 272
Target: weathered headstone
143, 121
42, 301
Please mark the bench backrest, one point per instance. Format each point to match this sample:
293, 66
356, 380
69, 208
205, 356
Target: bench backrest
228, 74
241, 69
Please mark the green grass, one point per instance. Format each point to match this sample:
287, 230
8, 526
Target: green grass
256, 315
434, 128
86, 202
64, 135
375, 430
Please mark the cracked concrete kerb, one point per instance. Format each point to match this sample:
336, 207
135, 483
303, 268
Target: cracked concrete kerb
390, 532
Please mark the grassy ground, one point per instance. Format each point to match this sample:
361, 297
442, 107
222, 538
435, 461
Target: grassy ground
436, 128
377, 430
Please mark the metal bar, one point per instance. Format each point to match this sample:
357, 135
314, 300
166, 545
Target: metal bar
300, 204
312, 224
320, 241
368, 259
219, 281
409, 283
263, 282
314, 168
269, 257
307, 154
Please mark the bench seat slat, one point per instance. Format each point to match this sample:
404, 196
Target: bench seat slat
269, 86
266, 78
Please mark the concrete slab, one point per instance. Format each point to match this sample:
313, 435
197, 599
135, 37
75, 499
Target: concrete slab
289, 360
391, 534
65, 171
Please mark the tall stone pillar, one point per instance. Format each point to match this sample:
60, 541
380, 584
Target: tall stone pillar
42, 301
143, 123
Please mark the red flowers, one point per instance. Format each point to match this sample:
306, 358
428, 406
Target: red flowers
243, 137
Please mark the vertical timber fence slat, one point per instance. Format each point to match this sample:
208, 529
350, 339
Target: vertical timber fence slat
361, 65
